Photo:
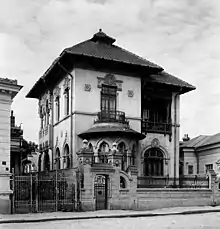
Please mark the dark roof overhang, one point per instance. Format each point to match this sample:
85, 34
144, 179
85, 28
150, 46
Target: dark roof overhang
109, 130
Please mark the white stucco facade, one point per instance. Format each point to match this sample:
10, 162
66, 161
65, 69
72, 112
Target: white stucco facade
8, 90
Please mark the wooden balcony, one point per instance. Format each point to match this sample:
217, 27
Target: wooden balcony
111, 116
156, 127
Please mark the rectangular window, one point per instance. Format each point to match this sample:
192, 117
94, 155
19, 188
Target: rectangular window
57, 108
66, 105
190, 169
208, 167
108, 98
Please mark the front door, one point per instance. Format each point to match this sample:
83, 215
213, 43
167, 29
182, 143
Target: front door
101, 193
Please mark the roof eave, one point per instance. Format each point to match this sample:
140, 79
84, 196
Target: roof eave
159, 68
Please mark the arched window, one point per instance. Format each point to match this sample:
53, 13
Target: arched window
153, 162
102, 152
104, 147
57, 159
122, 149
66, 157
90, 146
122, 182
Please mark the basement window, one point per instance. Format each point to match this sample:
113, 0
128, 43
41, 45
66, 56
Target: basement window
122, 182
190, 169
208, 167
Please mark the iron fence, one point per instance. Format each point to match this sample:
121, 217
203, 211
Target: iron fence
170, 182
43, 192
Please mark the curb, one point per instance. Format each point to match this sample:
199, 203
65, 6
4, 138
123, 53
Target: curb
130, 215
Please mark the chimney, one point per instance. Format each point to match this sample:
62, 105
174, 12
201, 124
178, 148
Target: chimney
12, 119
186, 138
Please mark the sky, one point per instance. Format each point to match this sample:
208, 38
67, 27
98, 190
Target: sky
182, 36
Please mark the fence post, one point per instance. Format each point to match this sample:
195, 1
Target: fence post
36, 192
56, 188
31, 190
13, 192
78, 190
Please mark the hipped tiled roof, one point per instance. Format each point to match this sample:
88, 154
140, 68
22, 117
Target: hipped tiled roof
168, 79
201, 140
101, 47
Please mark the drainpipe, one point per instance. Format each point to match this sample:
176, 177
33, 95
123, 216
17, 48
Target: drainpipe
175, 135
71, 108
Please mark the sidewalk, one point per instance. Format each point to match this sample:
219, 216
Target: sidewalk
43, 217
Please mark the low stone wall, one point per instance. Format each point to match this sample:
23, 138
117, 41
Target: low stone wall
148, 199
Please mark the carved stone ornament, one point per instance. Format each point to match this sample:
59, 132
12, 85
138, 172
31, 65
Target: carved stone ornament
56, 145
44, 104
130, 93
66, 84
87, 87
57, 92
110, 80
155, 143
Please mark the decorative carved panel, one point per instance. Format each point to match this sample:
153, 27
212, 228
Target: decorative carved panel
110, 80
155, 143
44, 104
57, 92
87, 87
66, 84
130, 93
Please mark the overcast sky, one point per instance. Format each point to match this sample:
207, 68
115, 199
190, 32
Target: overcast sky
180, 35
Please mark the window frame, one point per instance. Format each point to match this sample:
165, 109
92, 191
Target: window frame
57, 102
207, 165
153, 162
109, 93
190, 169
67, 101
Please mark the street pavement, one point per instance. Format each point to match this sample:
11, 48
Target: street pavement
55, 216
195, 221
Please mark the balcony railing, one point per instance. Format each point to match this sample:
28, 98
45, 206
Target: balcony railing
111, 116
168, 182
156, 127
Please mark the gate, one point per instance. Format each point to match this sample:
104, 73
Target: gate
42, 193
101, 191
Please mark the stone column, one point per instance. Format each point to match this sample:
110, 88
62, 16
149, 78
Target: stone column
8, 90
133, 172
213, 185
85, 160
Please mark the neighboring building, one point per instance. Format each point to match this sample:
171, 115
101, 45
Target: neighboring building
100, 92
23, 153
17, 152
200, 154
8, 90
30, 163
